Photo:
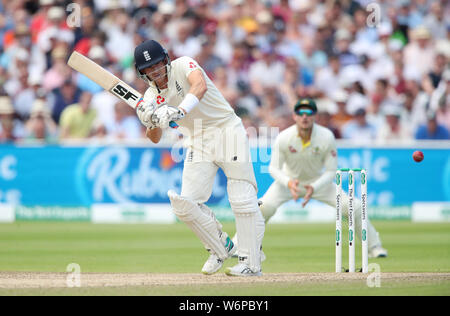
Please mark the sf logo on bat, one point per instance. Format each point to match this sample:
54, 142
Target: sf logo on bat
123, 93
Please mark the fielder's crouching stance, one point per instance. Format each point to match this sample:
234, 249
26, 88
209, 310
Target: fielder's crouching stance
303, 165
180, 91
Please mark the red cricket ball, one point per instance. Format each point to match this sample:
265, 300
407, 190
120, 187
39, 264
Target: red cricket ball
418, 156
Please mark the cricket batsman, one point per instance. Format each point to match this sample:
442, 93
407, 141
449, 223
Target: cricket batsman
181, 92
303, 164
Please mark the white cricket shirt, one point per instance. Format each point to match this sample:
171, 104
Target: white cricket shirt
313, 163
212, 110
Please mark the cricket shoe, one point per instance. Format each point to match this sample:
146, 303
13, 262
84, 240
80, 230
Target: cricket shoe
214, 263
242, 269
378, 252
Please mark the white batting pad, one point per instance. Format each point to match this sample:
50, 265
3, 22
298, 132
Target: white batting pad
250, 224
203, 224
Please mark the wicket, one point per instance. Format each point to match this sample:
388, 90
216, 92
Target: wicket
351, 219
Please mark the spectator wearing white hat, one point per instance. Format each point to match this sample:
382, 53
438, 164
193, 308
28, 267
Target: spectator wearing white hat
108, 5
341, 117
24, 101
10, 128
420, 49
55, 30
120, 38
393, 130
40, 125
267, 72
186, 44
343, 39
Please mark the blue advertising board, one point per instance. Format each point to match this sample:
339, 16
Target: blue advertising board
80, 176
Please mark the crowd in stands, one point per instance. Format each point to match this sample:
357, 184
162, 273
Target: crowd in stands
378, 74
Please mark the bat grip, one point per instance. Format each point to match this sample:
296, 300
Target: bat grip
173, 124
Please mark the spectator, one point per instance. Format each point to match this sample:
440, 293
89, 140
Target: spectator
272, 108
435, 20
10, 128
208, 59
65, 95
341, 117
343, 39
186, 44
358, 129
267, 72
432, 79
357, 98
393, 130
421, 48
324, 117
329, 77
40, 125
279, 49
59, 72
440, 100
311, 58
25, 99
246, 100
225, 87
120, 38
77, 119
420, 99
432, 130
126, 125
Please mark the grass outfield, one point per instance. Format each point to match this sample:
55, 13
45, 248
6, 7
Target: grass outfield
167, 249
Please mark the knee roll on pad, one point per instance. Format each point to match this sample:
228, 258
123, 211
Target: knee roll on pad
184, 209
242, 197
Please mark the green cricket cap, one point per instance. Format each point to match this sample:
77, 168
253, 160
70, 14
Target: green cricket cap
306, 102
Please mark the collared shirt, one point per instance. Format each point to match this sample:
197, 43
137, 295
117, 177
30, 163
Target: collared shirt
213, 110
312, 163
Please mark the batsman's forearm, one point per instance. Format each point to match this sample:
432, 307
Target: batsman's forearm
154, 134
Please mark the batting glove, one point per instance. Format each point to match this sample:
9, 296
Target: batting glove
144, 111
166, 114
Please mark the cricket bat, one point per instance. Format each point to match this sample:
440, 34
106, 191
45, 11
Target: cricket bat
107, 80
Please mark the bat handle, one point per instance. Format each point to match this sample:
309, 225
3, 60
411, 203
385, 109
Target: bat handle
173, 124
